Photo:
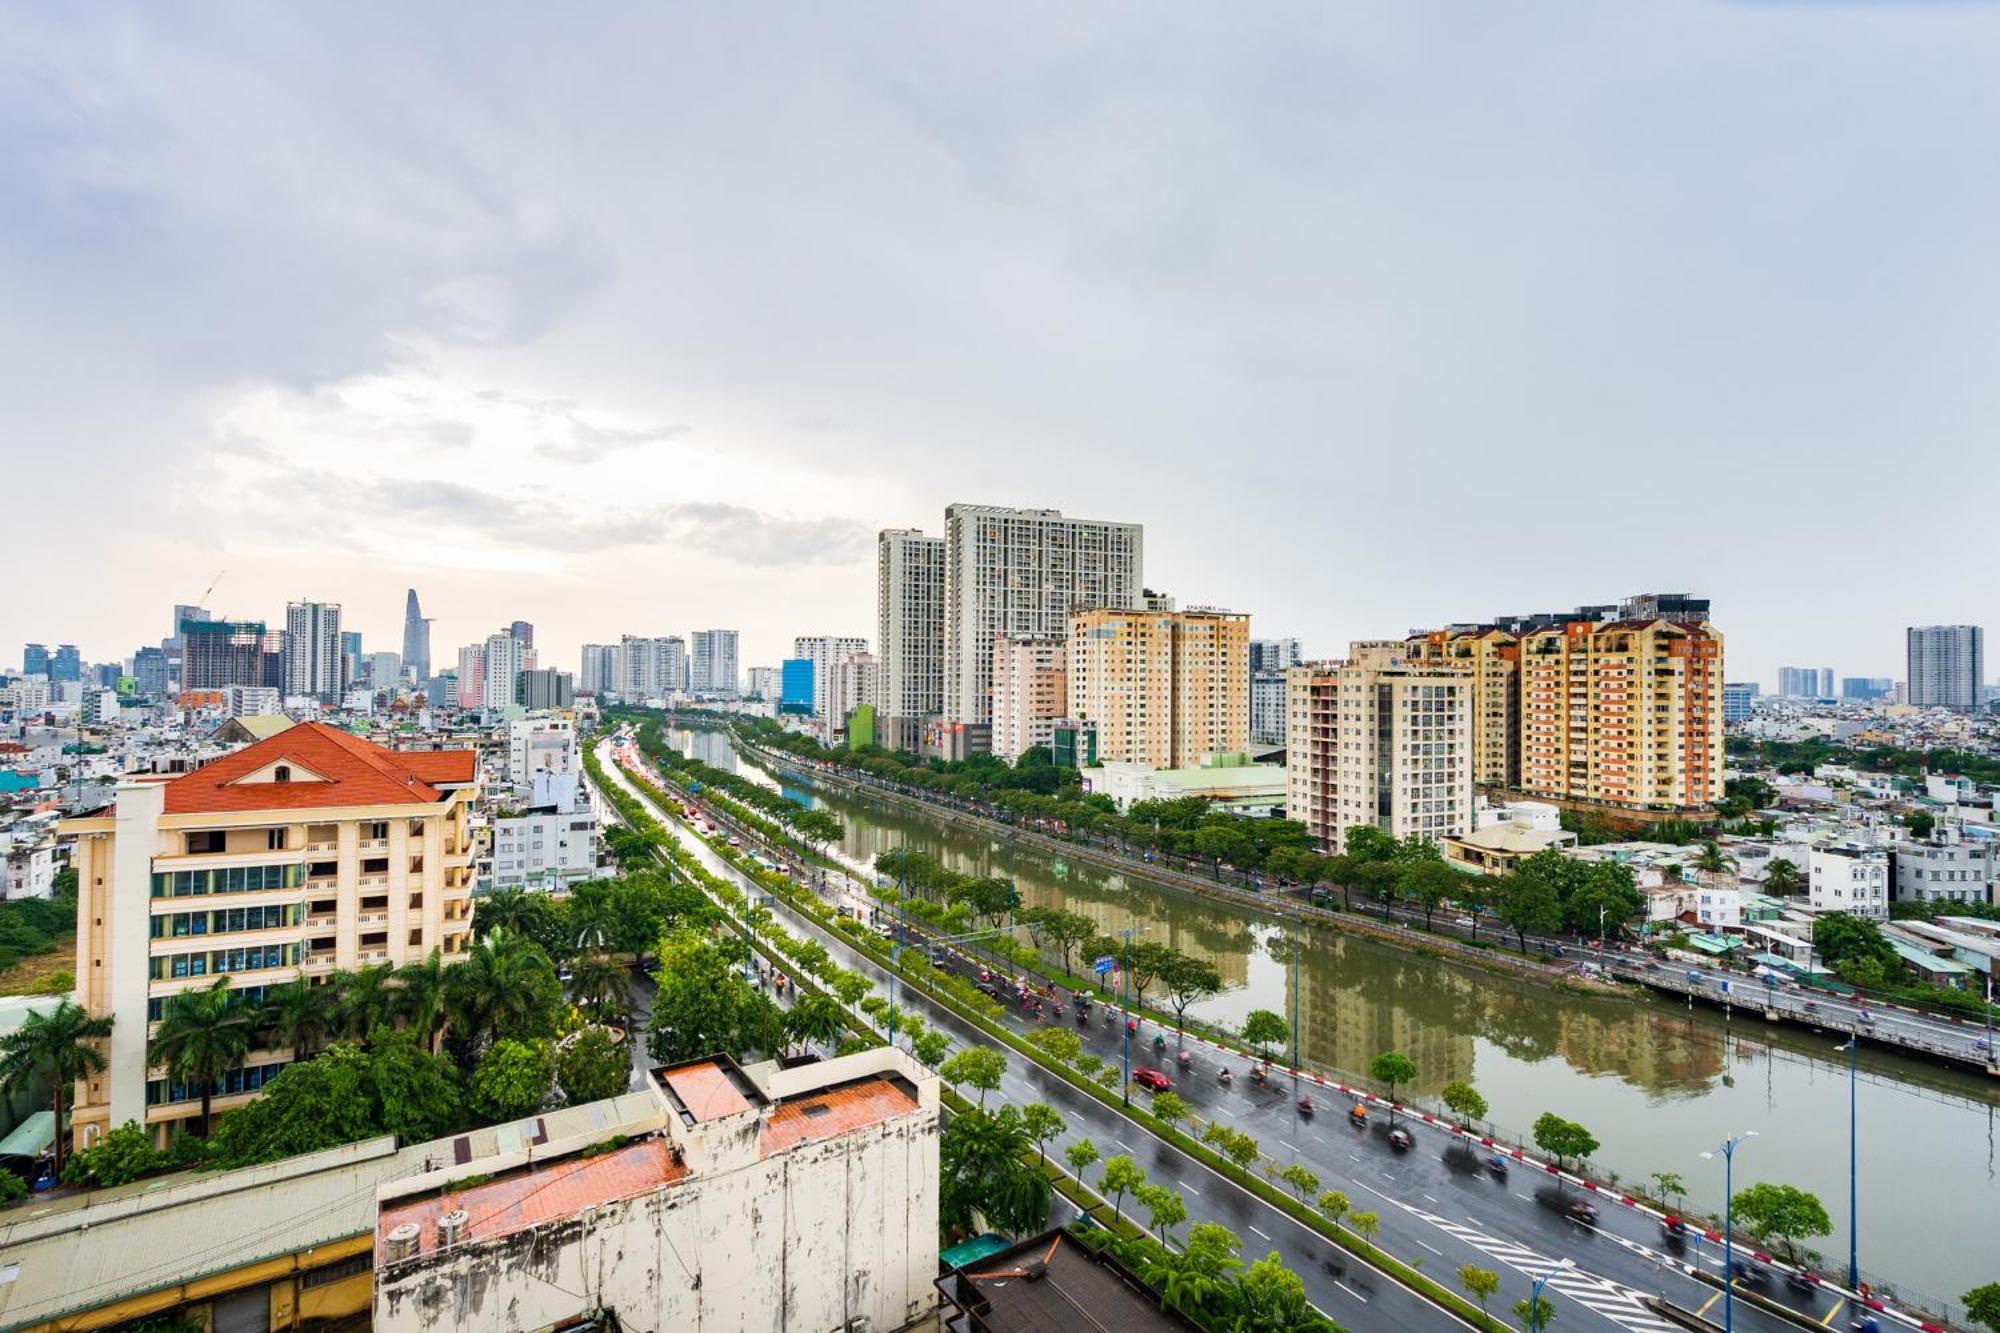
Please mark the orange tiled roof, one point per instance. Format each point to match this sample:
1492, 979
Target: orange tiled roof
355, 773
545, 1194
706, 1090
837, 1111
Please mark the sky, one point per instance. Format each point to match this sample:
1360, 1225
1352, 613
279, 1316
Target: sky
643, 319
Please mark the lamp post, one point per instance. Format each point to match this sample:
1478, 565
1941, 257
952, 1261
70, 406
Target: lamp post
1728, 1151
1535, 1294
1853, 1048
1125, 1004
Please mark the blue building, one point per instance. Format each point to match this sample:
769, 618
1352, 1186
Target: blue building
795, 685
1736, 697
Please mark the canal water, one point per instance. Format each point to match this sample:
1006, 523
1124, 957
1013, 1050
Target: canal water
1657, 1084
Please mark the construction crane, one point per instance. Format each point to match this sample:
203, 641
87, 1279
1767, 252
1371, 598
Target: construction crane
202, 601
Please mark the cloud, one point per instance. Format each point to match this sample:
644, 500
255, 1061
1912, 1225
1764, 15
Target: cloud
589, 443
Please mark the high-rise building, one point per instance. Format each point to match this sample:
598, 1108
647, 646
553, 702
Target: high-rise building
348, 854
149, 672
381, 671
796, 685
1026, 571
599, 674
1030, 692
909, 632
1623, 713
218, 653
1947, 666
766, 683
35, 660
1380, 739
506, 658
523, 631
313, 666
545, 689
1805, 682
1492, 657
1736, 700
1274, 654
1163, 688
416, 638
67, 664
1866, 688
650, 668
353, 666
824, 651
173, 645
853, 684
1269, 660
712, 670
472, 675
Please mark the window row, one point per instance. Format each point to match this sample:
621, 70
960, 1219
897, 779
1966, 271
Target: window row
224, 920
217, 962
234, 879
162, 1092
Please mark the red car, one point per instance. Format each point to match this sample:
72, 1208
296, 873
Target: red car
1152, 1078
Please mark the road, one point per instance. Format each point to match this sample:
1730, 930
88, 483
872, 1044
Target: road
1349, 1292
1437, 1203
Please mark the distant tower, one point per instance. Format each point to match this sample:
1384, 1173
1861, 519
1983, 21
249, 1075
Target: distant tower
416, 639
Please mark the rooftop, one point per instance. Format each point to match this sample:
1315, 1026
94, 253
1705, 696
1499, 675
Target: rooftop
841, 1109
326, 767
1052, 1284
705, 1090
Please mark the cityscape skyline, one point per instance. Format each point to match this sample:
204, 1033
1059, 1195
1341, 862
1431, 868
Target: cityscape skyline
532, 370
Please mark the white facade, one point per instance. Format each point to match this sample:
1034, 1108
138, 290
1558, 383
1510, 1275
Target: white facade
909, 623
1718, 907
1267, 707
385, 670
825, 652
313, 661
1024, 571
855, 684
251, 701
545, 847
1849, 879
1947, 666
28, 695
1944, 872
764, 683
1030, 691
28, 868
539, 745
98, 706
712, 668
599, 674
650, 668
506, 658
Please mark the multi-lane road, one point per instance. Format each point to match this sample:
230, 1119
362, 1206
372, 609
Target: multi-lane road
1438, 1202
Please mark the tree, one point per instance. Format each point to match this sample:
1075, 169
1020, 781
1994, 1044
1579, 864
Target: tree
417, 1094
1042, 1123
1066, 930
1273, 1296
1605, 898
1335, 1205
978, 1067
515, 911
119, 1158
1534, 1311
1379, 880
1142, 962
1781, 877
1563, 1140
512, 1080
1121, 1174
1187, 981
981, 1171
592, 1065
1261, 1027
1463, 1100
1196, 1281
1081, 1154
1982, 1305
505, 987
1529, 898
1364, 1225
1165, 1208
1920, 823
1843, 940
203, 1034
1059, 1044
1712, 861
815, 1018
1300, 1178
1392, 1067
1481, 1282
703, 1004
363, 1001
295, 1014
312, 1105
818, 827
930, 1047
419, 999
850, 988
1366, 842
1669, 1186
599, 985
1784, 1214
1430, 884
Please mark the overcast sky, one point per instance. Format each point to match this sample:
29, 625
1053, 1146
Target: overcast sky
645, 319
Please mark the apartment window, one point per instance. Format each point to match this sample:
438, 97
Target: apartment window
282, 773
274, 839
206, 842
378, 829
375, 865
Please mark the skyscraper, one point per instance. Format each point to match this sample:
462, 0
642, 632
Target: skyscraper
149, 672
1163, 688
825, 651
712, 670
472, 675
506, 659
1270, 659
1947, 665
649, 668
219, 653
351, 656
599, 674
1025, 571
67, 664
313, 664
523, 631
416, 638
1030, 691
1805, 682
909, 633
35, 660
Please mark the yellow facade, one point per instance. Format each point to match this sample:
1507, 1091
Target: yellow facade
1493, 658
1165, 688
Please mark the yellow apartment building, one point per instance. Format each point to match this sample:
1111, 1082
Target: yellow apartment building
306, 853
1164, 687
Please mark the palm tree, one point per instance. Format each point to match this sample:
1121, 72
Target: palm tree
297, 1015
58, 1048
516, 911
506, 984
364, 1002
203, 1035
1712, 860
419, 999
1781, 877
597, 984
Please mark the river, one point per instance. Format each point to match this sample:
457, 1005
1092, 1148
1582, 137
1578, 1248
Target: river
1656, 1084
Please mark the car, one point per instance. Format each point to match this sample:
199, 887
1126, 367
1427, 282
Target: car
1400, 1140
1463, 921
1152, 1078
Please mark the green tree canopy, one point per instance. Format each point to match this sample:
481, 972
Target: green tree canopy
1783, 1215
512, 1080
1564, 1140
592, 1065
1261, 1027
54, 1050
983, 1173
979, 1067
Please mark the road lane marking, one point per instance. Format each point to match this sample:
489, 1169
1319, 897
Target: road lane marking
1260, 1233
1336, 1282
1430, 1198
1838, 1306
1427, 1245
1707, 1303
1190, 1189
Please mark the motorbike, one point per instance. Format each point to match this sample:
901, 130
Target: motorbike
1159, 1042
1496, 1165
1306, 1107
1358, 1117
1082, 1018
1186, 1059
1224, 1077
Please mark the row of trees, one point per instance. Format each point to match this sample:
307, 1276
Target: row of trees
817, 828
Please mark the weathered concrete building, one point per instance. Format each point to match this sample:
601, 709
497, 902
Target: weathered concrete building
778, 1199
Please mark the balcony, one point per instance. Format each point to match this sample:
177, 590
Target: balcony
329, 845
317, 964
373, 845
372, 919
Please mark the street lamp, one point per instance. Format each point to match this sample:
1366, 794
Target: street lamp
1535, 1293
1125, 1004
1728, 1151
